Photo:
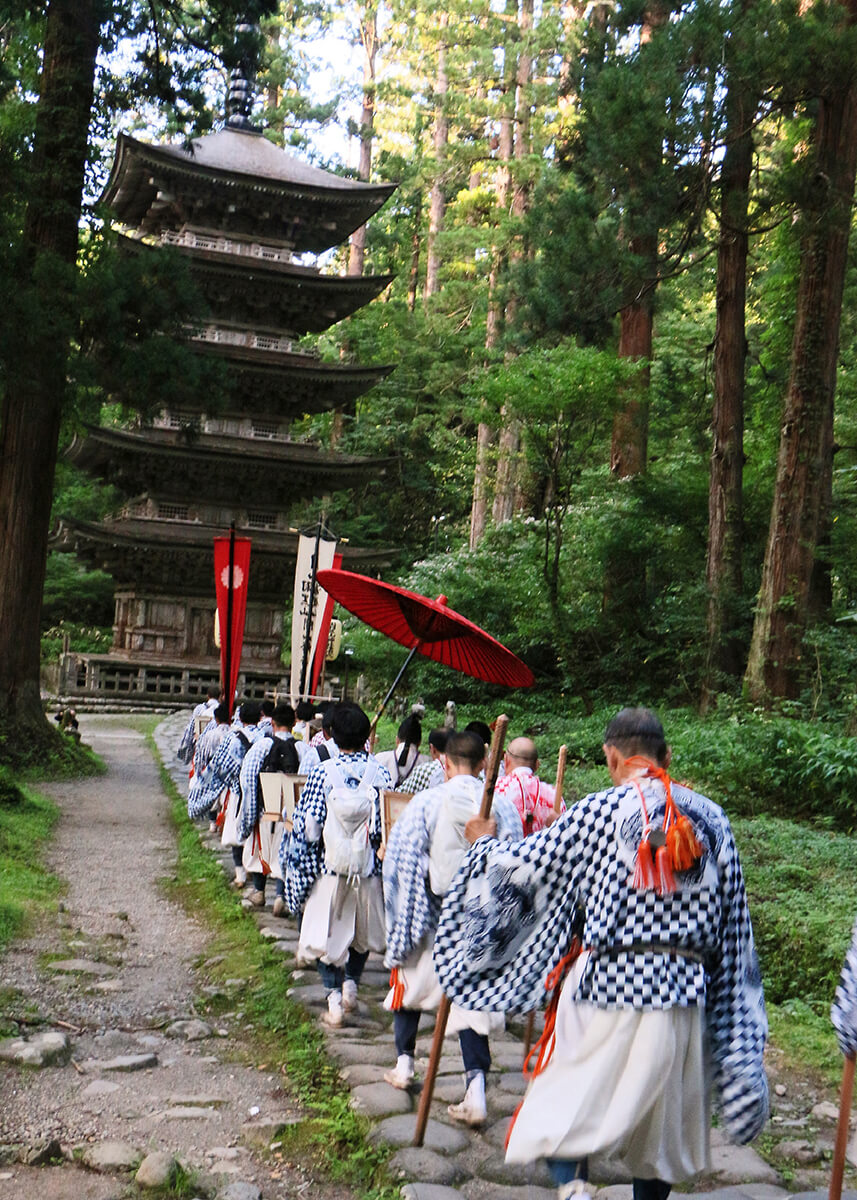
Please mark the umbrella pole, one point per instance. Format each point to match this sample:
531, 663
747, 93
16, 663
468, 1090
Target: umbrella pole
379, 714
491, 773
840, 1146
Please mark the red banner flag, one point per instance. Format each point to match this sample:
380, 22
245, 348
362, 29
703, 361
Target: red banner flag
231, 571
321, 649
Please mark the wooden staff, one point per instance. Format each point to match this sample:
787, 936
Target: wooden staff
557, 807
560, 776
840, 1146
491, 772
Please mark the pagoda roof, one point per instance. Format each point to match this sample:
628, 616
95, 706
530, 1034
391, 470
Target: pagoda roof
237, 181
267, 382
262, 294
172, 558
214, 468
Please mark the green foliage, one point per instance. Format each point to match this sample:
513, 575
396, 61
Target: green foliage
26, 821
42, 752
82, 639
71, 588
802, 888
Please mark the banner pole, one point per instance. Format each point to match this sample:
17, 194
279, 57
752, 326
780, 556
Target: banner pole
491, 772
227, 685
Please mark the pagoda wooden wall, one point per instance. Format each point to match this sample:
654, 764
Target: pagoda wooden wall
180, 629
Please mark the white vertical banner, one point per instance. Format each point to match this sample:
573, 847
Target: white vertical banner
302, 617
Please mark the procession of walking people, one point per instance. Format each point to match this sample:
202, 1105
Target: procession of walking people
626, 909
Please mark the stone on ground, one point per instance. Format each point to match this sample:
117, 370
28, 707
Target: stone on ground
157, 1170
81, 966
51, 1049
124, 1062
44, 1151
380, 1100
111, 1156
429, 1191
241, 1191
399, 1131
426, 1167
741, 1164
188, 1031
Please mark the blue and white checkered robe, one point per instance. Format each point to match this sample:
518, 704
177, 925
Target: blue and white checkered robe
843, 1014
223, 771
249, 783
302, 860
207, 745
411, 908
186, 745
507, 921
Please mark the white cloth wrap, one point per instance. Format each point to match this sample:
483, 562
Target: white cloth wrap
628, 1084
271, 834
340, 914
229, 832
423, 992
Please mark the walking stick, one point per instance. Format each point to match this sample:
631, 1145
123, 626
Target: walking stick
560, 776
557, 807
491, 772
838, 1168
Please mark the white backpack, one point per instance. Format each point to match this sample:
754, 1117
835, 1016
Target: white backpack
351, 819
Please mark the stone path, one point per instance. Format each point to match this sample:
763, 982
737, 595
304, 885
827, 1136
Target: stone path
456, 1162
130, 1070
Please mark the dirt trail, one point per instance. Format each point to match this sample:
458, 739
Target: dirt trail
132, 958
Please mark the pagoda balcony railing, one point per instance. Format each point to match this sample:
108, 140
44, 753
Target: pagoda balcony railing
250, 339
223, 245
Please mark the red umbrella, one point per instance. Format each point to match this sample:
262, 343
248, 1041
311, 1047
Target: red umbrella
427, 627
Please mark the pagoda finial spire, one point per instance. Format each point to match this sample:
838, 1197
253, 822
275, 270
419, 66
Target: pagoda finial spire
242, 78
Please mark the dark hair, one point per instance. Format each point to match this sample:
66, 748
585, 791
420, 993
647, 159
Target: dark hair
327, 717
221, 714
481, 730
268, 707
637, 731
465, 747
250, 712
410, 730
437, 738
213, 692
350, 726
283, 715
305, 711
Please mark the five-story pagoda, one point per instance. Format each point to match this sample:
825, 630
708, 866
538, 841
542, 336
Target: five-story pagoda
244, 213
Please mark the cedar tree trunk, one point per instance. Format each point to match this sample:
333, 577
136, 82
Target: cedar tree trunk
806, 438
36, 375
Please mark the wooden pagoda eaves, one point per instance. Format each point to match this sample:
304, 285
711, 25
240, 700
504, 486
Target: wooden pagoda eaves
153, 555
237, 182
270, 294
269, 382
216, 468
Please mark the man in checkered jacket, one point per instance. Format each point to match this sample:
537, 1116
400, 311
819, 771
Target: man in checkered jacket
664, 1003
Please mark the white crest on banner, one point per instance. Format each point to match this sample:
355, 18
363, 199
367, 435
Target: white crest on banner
302, 618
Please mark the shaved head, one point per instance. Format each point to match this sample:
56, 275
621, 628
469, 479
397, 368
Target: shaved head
523, 750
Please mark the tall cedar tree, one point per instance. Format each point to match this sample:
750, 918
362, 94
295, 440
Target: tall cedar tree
806, 433
36, 359
36, 365
724, 575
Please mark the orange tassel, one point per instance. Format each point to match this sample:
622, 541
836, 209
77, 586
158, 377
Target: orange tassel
665, 884
644, 871
398, 987
685, 848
